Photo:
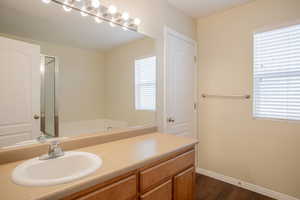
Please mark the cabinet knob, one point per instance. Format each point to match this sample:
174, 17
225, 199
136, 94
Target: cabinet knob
36, 117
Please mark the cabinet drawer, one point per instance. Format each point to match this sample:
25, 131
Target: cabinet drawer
163, 191
154, 175
122, 190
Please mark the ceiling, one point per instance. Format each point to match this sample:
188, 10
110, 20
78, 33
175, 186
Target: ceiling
201, 8
48, 22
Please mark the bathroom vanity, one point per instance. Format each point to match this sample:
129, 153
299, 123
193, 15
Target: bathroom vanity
169, 178
149, 166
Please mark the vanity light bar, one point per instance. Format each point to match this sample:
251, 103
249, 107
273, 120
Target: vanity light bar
99, 12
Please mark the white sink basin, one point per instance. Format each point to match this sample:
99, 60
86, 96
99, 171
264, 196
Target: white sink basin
70, 167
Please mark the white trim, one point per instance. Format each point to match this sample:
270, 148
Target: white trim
179, 35
266, 29
245, 185
276, 26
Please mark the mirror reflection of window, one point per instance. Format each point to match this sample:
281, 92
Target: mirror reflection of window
145, 83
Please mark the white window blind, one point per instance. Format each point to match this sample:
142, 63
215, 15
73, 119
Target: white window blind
277, 74
145, 83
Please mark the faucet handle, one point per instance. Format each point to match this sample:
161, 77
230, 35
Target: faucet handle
54, 147
54, 151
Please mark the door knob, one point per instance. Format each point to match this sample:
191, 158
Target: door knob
36, 117
170, 120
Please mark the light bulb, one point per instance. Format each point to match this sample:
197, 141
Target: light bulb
112, 24
83, 14
125, 25
66, 8
98, 20
46, 1
95, 3
112, 9
125, 16
42, 69
137, 21
99, 14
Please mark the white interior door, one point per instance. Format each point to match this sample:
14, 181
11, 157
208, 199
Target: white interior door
19, 91
181, 81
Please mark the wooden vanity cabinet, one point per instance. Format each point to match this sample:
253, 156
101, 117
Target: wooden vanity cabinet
171, 178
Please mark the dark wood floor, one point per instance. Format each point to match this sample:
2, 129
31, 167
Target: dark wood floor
212, 189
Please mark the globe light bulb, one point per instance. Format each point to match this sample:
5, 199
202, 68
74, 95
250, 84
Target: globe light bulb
83, 14
66, 8
125, 16
98, 20
137, 21
46, 1
125, 25
112, 9
95, 3
112, 24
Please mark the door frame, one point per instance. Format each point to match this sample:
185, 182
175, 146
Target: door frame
169, 31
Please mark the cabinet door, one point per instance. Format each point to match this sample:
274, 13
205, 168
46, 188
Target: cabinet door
184, 184
122, 190
163, 191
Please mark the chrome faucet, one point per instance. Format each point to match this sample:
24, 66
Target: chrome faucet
54, 151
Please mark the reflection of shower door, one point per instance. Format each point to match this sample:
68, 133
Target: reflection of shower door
49, 112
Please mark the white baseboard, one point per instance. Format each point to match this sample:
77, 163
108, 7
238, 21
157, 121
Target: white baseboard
245, 185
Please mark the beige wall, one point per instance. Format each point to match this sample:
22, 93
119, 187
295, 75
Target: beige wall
119, 82
81, 82
262, 152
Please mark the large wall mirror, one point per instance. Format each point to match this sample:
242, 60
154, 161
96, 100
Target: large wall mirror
94, 78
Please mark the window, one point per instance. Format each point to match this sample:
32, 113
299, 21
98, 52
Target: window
145, 83
277, 74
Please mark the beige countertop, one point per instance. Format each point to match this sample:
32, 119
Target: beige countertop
118, 158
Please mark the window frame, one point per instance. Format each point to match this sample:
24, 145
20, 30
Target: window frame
257, 31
